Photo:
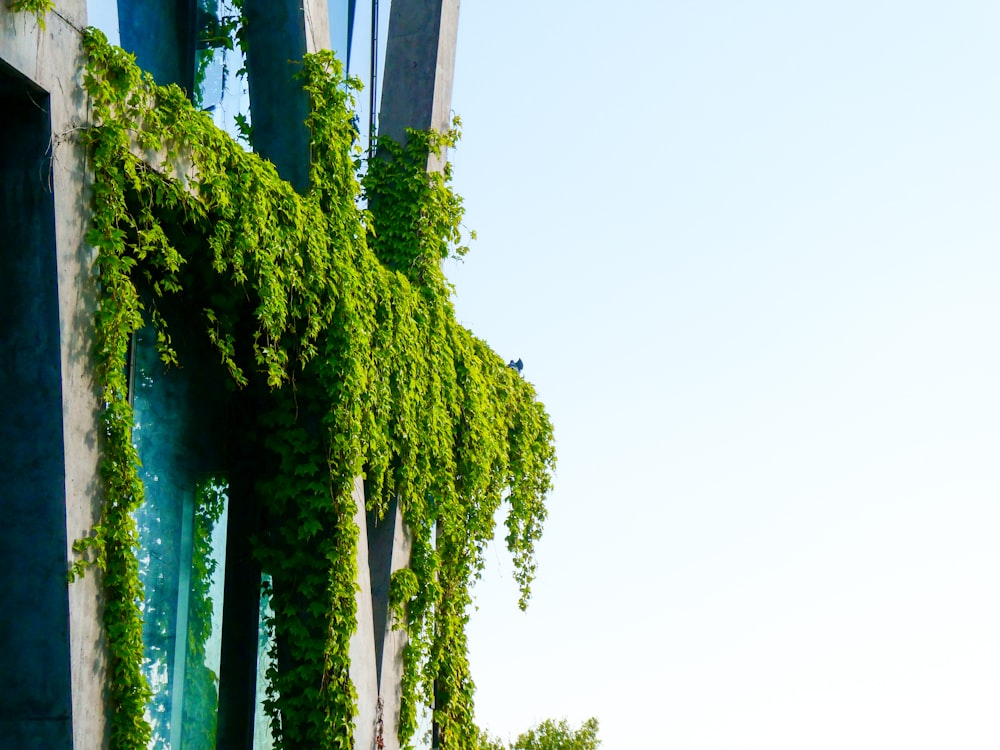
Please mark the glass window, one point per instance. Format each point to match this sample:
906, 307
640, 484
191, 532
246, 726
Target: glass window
262, 737
36, 694
182, 547
351, 38
220, 68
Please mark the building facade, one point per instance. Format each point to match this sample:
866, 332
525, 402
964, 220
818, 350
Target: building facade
237, 61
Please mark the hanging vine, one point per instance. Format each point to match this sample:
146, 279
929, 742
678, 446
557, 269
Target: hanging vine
39, 7
342, 319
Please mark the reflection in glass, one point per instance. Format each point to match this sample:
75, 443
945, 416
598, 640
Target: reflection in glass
262, 737
204, 620
182, 544
351, 39
220, 68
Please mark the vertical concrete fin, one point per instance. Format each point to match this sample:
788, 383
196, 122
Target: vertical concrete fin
362, 648
419, 66
389, 547
416, 93
161, 35
276, 37
317, 20
445, 65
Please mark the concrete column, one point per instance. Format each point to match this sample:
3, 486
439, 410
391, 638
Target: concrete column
416, 93
317, 19
363, 644
419, 68
161, 35
63, 426
278, 34
389, 547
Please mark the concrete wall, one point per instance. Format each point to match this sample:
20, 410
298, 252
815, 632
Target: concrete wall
51, 60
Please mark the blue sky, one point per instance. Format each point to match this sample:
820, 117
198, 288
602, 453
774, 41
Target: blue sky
748, 254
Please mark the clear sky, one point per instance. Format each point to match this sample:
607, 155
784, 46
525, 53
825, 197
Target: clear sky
748, 253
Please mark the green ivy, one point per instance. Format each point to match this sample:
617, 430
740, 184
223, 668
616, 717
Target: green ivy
341, 319
39, 7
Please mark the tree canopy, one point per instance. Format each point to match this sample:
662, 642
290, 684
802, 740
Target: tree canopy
549, 735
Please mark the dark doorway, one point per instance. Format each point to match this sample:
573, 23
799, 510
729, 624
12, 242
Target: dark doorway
35, 692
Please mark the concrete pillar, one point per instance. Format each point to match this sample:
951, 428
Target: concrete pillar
389, 547
161, 35
62, 675
416, 93
278, 34
362, 648
419, 68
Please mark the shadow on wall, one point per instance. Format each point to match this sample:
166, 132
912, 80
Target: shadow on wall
35, 694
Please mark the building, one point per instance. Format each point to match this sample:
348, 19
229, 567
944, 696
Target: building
196, 524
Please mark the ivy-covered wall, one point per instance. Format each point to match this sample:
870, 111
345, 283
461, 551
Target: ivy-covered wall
39, 7
339, 319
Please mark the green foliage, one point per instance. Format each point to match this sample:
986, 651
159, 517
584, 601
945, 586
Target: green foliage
489, 743
549, 735
552, 735
339, 320
39, 7
417, 216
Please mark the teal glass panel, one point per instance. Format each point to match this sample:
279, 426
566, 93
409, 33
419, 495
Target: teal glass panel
182, 544
262, 736
360, 65
204, 615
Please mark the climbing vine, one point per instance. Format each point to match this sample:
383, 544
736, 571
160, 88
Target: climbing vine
39, 7
339, 320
